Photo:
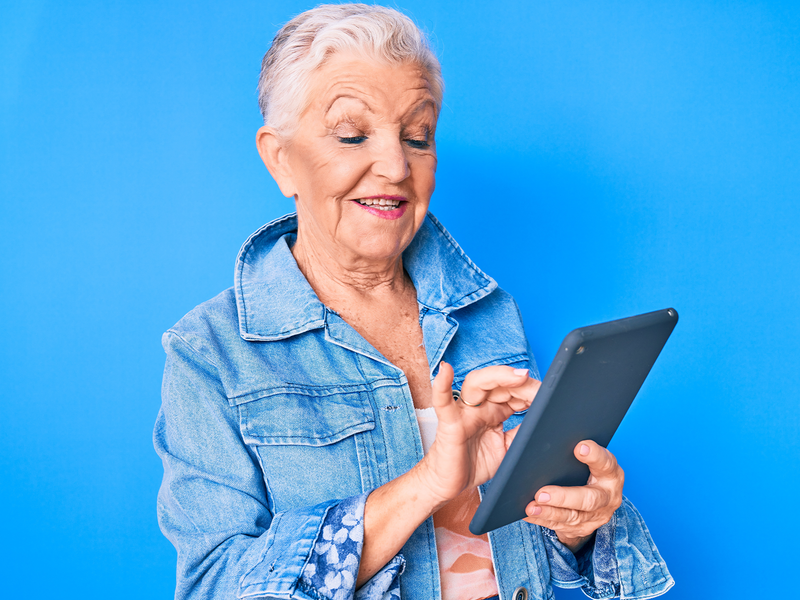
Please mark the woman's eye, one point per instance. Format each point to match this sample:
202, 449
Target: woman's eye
420, 144
353, 140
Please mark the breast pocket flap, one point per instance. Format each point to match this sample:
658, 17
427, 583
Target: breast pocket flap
306, 419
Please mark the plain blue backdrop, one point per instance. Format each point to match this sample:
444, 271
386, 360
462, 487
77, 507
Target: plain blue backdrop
599, 159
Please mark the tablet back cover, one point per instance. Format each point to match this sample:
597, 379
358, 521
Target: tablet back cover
585, 394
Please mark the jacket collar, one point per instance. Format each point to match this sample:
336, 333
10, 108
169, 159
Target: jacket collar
275, 301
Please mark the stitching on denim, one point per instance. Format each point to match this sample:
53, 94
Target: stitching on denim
194, 350
368, 440
312, 391
300, 582
668, 580
386, 451
454, 245
316, 391
270, 501
456, 249
532, 547
239, 284
356, 428
369, 448
378, 357
302, 328
241, 261
614, 546
445, 341
275, 523
270, 541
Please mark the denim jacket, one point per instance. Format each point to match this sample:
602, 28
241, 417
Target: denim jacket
278, 419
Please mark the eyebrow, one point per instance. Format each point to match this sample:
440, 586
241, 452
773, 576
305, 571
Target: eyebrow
424, 104
340, 96
419, 107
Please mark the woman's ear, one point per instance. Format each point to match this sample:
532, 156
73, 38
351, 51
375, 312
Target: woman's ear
272, 149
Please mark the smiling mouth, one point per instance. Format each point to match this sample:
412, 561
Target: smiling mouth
384, 204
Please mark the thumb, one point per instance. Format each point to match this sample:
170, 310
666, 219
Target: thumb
442, 388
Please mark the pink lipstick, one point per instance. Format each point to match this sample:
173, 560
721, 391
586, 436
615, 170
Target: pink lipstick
383, 206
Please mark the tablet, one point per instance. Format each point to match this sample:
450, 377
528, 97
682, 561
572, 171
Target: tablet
586, 392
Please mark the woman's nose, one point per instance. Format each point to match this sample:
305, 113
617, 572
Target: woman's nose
390, 161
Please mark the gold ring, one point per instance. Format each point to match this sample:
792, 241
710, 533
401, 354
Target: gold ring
457, 396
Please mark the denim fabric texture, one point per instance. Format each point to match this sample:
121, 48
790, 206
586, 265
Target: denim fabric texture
278, 419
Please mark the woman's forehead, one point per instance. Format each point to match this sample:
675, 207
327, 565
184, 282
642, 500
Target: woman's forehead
360, 84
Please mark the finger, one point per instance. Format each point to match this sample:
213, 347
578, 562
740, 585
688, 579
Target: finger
555, 515
442, 392
500, 384
600, 461
517, 398
582, 498
577, 531
488, 378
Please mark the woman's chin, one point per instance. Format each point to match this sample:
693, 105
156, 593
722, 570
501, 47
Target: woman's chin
377, 249
378, 239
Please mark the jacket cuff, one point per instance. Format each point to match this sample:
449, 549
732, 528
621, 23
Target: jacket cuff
314, 554
621, 562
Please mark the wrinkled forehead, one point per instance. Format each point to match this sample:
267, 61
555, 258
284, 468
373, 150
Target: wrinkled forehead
356, 83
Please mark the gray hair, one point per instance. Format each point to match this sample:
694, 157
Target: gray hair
307, 41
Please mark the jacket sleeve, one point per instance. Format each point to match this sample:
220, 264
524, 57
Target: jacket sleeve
213, 506
622, 561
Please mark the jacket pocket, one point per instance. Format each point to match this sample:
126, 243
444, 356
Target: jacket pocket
313, 444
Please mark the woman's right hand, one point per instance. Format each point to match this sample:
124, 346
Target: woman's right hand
470, 442
469, 445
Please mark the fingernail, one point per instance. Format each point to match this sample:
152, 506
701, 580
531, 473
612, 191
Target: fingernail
537, 510
544, 497
520, 371
584, 449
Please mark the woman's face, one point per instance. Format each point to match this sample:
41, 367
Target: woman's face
362, 162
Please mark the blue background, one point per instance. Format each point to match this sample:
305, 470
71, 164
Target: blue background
599, 159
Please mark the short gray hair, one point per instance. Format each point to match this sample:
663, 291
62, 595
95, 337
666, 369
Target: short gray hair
305, 43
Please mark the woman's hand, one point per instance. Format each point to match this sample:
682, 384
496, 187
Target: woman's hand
575, 513
469, 445
470, 442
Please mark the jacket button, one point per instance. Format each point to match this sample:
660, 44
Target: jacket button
520, 594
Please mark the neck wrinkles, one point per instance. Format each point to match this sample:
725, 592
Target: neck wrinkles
330, 277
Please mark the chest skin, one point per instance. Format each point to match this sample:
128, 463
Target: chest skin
391, 325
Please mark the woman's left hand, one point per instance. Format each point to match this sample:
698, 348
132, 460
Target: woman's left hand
575, 513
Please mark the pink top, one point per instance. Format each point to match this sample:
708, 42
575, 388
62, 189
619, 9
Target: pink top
465, 560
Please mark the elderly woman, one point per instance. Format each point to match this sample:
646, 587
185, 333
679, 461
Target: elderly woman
312, 447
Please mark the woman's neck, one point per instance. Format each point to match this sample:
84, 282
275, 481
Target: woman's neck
335, 277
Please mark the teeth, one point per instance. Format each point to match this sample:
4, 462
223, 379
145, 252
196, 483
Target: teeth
380, 203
